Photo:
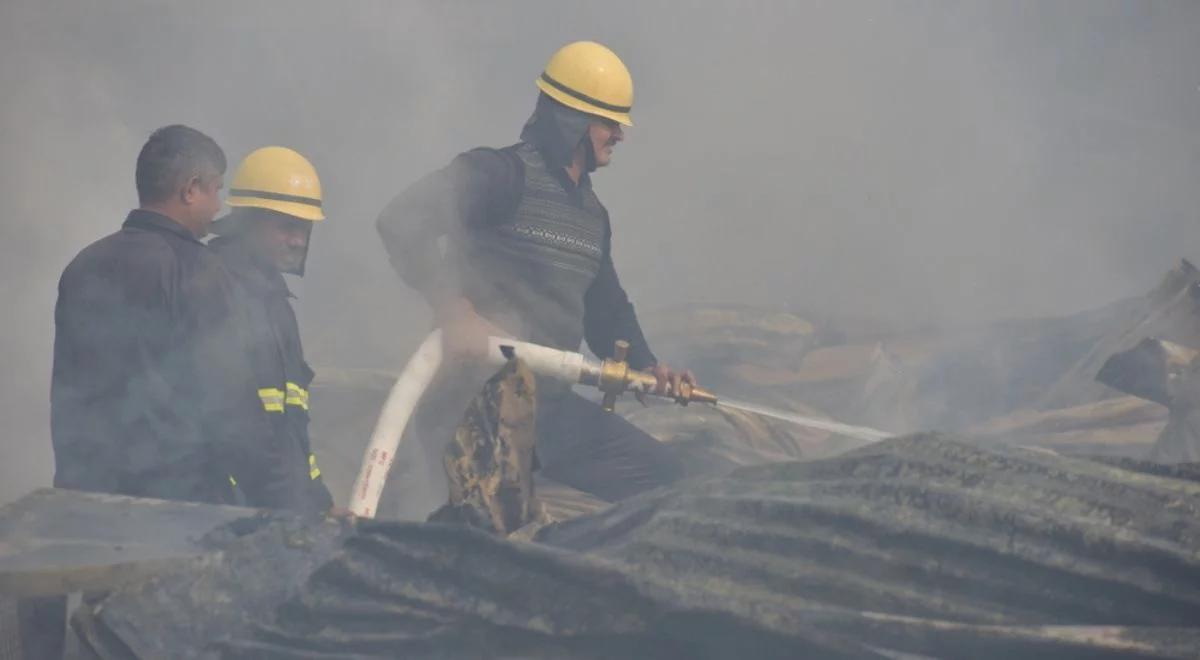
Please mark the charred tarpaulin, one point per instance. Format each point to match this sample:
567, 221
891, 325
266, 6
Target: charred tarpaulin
920, 545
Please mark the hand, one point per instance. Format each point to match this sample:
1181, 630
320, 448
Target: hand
668, 381
464, 332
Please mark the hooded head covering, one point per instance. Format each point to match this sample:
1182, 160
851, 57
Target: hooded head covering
555, 130
233, 229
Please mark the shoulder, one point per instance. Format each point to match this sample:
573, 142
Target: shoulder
132, 266
487, 179
127, 250
488, 163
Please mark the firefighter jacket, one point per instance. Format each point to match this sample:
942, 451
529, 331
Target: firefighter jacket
282, 378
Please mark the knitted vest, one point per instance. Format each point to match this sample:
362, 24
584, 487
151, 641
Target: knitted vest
530, 272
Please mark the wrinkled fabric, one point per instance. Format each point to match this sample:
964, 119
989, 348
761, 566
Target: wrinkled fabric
399, 590
490, 462
912, 547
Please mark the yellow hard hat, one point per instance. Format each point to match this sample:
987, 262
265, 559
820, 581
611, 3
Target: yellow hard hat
590, 78
278, 179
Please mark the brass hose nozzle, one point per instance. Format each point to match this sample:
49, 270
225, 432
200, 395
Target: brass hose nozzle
616, 378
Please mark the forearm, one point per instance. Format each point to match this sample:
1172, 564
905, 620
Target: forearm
609, 316
623, 324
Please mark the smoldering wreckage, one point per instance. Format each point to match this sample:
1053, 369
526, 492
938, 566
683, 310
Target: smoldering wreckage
1056, 513
1036, 524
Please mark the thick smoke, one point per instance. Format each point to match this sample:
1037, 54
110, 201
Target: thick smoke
920, 162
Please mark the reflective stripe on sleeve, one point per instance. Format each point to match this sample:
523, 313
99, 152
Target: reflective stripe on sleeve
297, 396
272, 399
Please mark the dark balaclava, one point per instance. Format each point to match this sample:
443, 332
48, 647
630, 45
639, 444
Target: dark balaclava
555, 130
234, 228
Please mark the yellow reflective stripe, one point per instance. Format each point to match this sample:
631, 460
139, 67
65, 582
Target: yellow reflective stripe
297, 396
232, 481
313, 470
272, 399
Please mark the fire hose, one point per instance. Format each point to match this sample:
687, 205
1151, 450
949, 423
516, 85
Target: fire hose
612, 376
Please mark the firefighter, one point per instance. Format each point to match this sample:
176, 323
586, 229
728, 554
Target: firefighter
276, 199
515, 242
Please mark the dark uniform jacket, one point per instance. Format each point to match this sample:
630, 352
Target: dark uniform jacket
526, 245
151, 395
282, 379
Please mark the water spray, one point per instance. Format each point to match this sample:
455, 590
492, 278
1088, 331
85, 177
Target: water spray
612, 376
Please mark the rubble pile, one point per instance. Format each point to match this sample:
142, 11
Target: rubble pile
923, 545
1027, 381
252, 566
1035, 528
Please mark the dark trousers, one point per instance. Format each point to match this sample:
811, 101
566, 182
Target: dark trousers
590, 449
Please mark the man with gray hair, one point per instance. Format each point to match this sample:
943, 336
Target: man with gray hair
145, 355
150, 393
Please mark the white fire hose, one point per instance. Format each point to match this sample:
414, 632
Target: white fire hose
612, 376
567, 366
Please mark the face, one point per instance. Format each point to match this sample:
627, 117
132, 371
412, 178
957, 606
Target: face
604, 134
282, 240
202, 200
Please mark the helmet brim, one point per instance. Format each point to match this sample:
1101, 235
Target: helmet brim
581, 105
294, 209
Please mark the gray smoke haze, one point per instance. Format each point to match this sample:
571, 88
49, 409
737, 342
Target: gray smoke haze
914, 161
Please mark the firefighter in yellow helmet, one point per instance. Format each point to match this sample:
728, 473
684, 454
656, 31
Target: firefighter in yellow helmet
276, 200
589, 78
527, 253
